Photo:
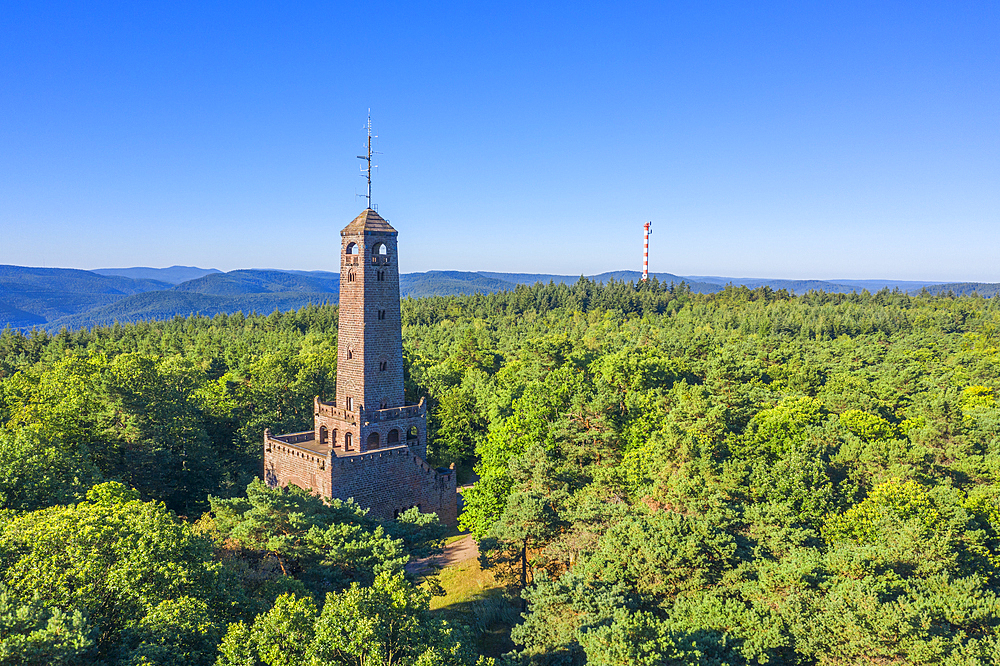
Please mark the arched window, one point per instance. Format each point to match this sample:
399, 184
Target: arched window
352, 248
373, 440
392, 437
412, 433
324, 434
380, 250
348, 441
351, 277
383, 366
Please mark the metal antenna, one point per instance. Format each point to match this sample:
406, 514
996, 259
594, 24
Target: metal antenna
368, 158
647, 229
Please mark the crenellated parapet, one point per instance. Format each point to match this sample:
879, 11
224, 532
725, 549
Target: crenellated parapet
390, 481
393, 413
330, 410
293, 459
294, 438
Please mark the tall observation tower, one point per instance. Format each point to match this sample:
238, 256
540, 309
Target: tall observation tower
370, 345
366, 443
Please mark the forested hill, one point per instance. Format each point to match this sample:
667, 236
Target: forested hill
36, 296
984, 289
664, 477
60, 298
57, 298
173, 274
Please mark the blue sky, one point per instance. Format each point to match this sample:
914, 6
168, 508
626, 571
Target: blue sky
786, 140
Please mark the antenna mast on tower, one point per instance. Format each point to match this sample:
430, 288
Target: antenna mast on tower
647, 229
368, 158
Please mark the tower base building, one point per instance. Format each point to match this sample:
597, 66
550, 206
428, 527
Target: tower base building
367, 444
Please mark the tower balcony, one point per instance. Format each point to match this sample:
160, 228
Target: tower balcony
331, 410
369, 416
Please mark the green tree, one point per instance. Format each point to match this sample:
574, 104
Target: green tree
662, 554
323, 545
113, 557
237, 648
774, 431
283, 634
36, 473
386, 623
559, 609
176, 632
461, 426
31, 633
638, 638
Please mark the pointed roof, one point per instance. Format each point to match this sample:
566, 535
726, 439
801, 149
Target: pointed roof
369, 220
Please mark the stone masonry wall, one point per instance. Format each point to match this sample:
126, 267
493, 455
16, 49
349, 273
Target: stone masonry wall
287, 463
331, 424
389, 481
370, 346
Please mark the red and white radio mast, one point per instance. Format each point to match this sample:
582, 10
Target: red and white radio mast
647, 229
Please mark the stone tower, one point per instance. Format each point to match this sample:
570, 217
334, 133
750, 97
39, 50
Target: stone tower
369, 411
368, 443
370, 348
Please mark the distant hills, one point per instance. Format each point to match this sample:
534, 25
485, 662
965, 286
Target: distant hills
173, 275
160, 305
984, 289
36, 296
708, 284
244, 282
53, 298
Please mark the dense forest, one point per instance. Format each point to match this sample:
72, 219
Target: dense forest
660, 477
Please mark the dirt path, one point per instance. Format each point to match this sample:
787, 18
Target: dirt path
454, 553
459, 551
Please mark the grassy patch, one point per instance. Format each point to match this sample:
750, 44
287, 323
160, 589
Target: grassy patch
474, 598
463, 582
